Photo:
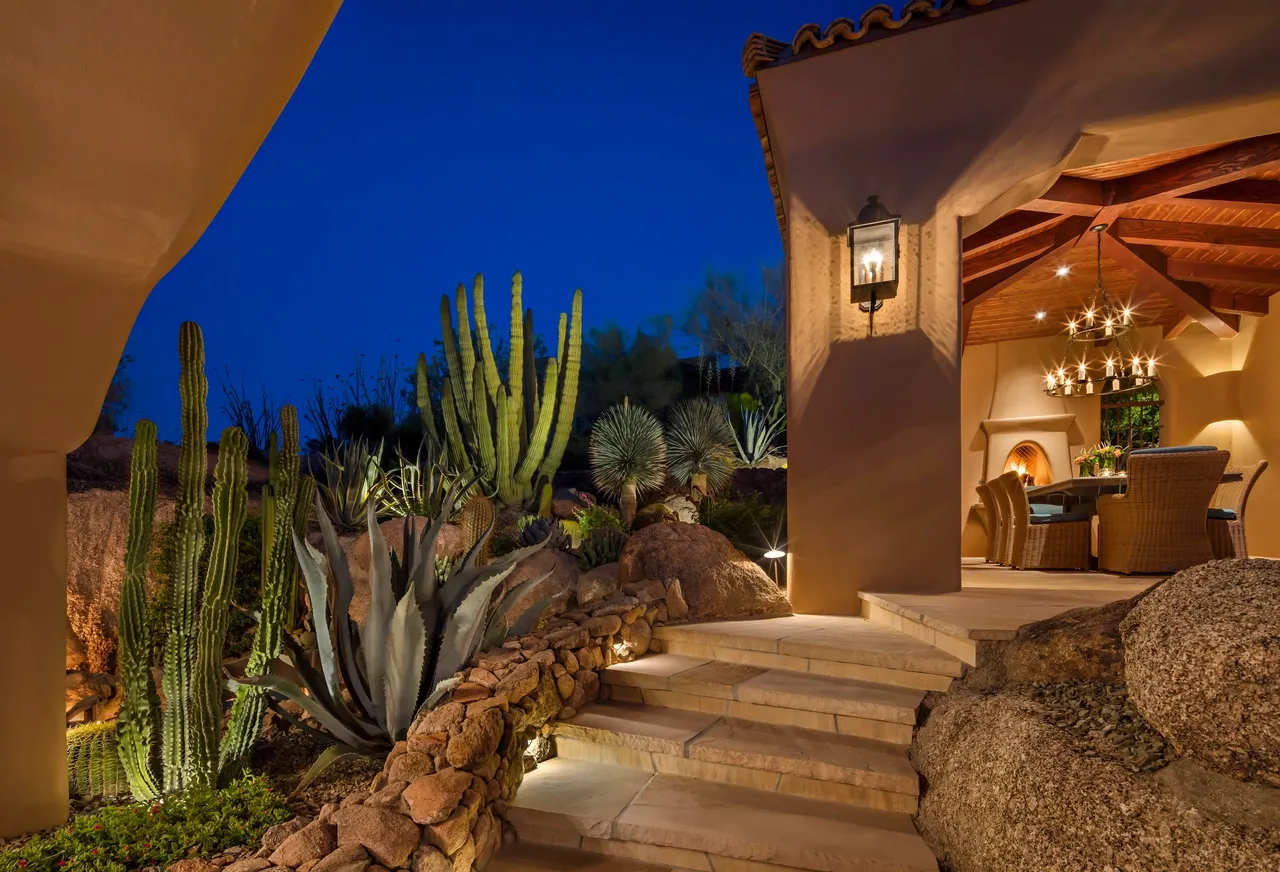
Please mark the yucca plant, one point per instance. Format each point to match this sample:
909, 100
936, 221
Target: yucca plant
373, 680
756, 428
628, 455
352, 477
416, 487
700, 446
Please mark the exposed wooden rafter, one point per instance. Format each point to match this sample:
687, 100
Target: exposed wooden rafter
1173, 331
1070, 196
1050, 244
1229, 163
1225, 273
1248, 240
1259, 195
1237, 304
1005, 229
1150, 266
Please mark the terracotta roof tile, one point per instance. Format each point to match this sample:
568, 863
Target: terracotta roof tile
878, 21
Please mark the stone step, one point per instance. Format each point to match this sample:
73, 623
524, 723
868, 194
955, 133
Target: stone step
789, 760
528, 857
694, 824
882, 712
842, 647
944, 636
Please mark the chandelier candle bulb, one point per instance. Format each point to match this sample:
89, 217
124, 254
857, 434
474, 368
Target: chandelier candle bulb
1111, 367
1051, 380
1088, 387
1151, 366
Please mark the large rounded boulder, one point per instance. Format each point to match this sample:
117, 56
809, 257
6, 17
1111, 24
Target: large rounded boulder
559, 572
718, 580
1202, 659
449, 544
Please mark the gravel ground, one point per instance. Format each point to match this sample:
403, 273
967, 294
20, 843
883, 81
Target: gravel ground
286, 755
1100, 717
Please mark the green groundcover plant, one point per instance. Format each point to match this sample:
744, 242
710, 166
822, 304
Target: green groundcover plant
127, 837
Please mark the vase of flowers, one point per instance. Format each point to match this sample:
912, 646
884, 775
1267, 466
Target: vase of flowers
1109, 458
1085, 464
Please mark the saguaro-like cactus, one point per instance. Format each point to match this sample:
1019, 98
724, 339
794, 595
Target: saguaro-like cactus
185, 739
279, 583
503, 432
139, 727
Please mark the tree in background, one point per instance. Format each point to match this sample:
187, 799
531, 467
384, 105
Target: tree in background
746, 326
111, 418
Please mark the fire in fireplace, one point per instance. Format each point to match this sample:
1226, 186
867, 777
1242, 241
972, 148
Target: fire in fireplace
1031, 463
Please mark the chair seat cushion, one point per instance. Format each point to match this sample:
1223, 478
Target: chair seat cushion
1046, 509
1060, 518
1222, 514
1172, 449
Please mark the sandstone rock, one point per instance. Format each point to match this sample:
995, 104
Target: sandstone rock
274, 837
193, 864
566, 685
433, 797
637, 635
410, 766
475, 709
487, 836
431, 744
605, 625
464, 860
717, 580
495, 660
568, 637
389, 796
478, 739
439, 720
450, 833
1202, 659
82, 686
354, 798
569, 660
1010, 793
429, 859
349, 858
390, 837
249, 864
449, 544
76, 657
677, 608
596, 584
519, 683
482, 677
558, 585
312, 842
652, 514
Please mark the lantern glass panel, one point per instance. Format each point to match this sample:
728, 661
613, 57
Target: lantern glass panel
874, 253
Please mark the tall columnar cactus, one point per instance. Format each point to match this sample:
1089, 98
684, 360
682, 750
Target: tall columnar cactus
279, 583
508, 434
139, 729
185, 739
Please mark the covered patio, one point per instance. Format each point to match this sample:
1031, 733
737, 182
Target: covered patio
1045, 176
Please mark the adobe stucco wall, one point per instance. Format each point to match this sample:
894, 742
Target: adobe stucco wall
126, 126
1048, 86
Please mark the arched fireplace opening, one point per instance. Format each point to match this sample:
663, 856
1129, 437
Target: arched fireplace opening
1031, 462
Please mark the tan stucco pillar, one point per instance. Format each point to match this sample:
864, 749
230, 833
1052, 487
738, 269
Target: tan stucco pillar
126, 127
873, 421
33, 512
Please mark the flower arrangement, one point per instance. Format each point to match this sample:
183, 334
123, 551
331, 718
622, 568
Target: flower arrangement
1101, 459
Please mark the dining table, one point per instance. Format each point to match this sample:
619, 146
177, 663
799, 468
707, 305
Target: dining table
1081, 492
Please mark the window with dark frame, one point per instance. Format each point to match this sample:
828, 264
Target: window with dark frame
1132, 420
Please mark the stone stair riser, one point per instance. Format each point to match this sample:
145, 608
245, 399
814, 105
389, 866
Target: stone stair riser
832, 668
964, 649
759, 779
881, 731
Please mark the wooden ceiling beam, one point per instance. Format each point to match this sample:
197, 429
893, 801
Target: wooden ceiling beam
1150, 267
1173, 331
1258, 195
1227, 273
1238, 304
1248, 240
1004, 229
1231, 162
991, 282
1015, 252
1070, 196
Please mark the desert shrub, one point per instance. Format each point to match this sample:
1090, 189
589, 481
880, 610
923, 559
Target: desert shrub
751, 525
155, 835
246, 584
596, 517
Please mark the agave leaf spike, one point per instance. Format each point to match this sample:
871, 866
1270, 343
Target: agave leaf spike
464, 626
377, 621
495, 631
314, 566
314, 684
345, 591
331, 755
406, 650
437, 692
424, 581
460, 583
293, 693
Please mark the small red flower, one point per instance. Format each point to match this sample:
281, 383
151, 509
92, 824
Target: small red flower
22, 864
155, 809
148, 846
62, 863
97, 826
95, 852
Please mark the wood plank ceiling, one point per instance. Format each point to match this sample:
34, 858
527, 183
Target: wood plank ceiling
1192, 237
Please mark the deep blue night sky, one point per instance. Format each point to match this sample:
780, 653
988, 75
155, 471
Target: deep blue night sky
600, 145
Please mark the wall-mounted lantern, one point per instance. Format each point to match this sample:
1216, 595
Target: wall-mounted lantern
873, 260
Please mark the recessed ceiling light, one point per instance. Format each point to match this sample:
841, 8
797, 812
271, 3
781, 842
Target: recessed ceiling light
1064, 271
1040, 316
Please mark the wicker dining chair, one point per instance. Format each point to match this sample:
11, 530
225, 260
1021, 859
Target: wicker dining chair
1226, 512
1004, 544
994, 519
1159, 524
1044, 541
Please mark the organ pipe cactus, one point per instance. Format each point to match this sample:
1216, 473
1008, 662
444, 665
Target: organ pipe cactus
179, 747
373, 678
506, 434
